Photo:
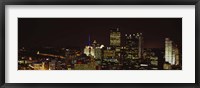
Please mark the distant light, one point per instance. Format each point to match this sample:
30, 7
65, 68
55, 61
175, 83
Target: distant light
30, 58
143, 65
101, 46
38, 52
108, 48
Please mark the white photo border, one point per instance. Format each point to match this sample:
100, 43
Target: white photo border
186, 12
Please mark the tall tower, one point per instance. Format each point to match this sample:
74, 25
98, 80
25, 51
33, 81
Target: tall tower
134, 43
177, 59
89, 50
140, 41
115, 37
169, 51
131, 41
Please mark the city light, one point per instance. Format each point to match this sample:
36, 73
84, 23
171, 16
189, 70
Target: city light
131, 56
100, 44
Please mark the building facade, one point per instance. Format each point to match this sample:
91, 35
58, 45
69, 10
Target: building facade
171, 52
133, 44
115, 37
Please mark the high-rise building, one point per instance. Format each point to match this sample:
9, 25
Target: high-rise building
93, 49
108, 53
133, 44
97, 53
115, 44
115, 37
176, 52
89, 50
97, 50
140, 45
168, 50
171, 52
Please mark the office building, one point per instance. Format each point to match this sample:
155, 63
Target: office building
171, 52
133, 44
89, 50
108, 53
115, 37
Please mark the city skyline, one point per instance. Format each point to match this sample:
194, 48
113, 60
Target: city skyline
73, 32
100, 44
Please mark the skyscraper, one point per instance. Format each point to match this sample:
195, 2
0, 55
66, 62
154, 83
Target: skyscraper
89, 50
168, 50
171, 52
133, 44
177, 58
97, 50
108, 53
115, 37
140, 46
93, 49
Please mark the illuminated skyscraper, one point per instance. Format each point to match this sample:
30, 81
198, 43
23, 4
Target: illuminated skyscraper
93, 49
115, 37
97, 53
176, 52
140, 46
109, 53
171, 52
89, 50
168, 50
133, 44
97, 50
115, 43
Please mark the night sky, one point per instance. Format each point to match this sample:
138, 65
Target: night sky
73, 32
